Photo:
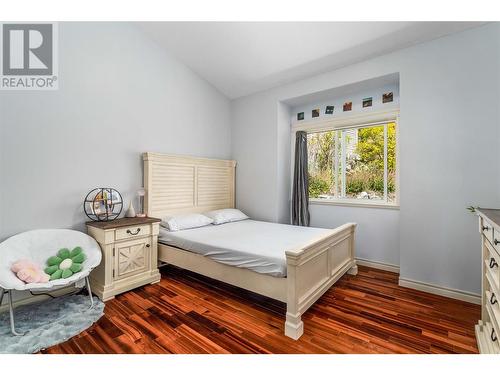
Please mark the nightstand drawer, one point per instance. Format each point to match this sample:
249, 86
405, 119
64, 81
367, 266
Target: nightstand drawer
132, 232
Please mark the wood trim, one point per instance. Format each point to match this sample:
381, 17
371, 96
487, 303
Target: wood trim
440, 290
378, 265
352, 203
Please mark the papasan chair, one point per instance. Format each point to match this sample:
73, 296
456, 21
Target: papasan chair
38, 246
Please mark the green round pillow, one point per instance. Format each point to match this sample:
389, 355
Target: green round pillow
65, 263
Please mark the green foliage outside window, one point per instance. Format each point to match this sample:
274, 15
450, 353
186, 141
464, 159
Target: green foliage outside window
370, 147
364, 170
317, 186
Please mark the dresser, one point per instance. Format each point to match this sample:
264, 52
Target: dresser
129, 255
488, 328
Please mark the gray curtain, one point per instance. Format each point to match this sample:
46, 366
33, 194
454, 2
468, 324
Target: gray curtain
300, 193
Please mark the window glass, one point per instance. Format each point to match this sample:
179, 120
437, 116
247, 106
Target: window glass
356, 163
365, 163
320, 164
391, 162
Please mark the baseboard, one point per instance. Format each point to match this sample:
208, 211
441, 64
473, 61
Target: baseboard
36, 299
441, 291
378, 265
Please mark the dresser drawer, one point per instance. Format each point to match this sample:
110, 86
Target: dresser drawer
496, 240
492, 267
493, 330
487, 230
132, 232
492, 338
494, 306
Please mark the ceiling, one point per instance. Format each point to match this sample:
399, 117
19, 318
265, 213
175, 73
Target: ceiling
344, 91
241, 58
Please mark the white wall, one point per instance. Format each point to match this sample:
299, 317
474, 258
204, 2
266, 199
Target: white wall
283, 172
255, 148
377, 233
338, 101
119, 95
378, 229
449, 95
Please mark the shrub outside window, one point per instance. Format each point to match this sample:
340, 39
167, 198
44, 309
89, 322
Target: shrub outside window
353, 164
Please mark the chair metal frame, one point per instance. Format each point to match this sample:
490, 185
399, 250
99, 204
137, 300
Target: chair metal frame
8, 292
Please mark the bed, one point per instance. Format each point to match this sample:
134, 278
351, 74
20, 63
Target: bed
255, 245
311, 261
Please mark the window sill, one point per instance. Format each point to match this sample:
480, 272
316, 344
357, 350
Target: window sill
353, 203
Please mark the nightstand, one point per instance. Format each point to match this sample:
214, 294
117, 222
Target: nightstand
129, 255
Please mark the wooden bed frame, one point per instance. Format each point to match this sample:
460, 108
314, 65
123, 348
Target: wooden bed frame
182, 184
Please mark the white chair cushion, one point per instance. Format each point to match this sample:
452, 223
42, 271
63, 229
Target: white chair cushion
39, 245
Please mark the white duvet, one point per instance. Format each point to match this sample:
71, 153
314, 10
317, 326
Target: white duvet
257, 245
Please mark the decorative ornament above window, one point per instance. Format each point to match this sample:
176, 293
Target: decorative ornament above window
387, 97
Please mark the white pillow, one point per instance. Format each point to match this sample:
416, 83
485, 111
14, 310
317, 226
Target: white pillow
226, 215
186, 221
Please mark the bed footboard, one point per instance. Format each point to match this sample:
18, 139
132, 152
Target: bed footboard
313, 269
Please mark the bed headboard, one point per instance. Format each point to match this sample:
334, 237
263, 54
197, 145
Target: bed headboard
178, 184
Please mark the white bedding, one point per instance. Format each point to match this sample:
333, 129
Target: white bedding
257, 245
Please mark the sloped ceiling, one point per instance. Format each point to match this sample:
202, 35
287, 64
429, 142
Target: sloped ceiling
241, 58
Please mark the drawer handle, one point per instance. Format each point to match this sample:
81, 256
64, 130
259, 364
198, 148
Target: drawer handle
137, 232
486, 228
493, 263
493, 299
148, 245
496, 242
493, 335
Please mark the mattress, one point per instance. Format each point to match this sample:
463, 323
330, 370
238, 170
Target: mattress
256, 245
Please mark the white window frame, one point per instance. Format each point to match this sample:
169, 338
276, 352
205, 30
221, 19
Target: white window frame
343, 122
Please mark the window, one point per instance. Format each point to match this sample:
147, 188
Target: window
355, 164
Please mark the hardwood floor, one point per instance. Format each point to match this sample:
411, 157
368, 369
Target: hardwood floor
367, 313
